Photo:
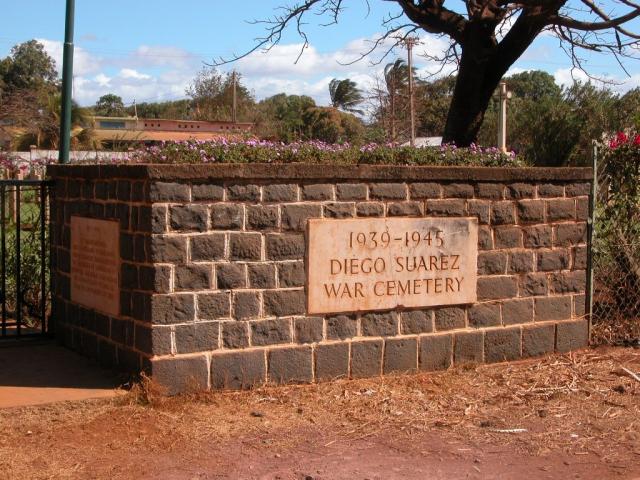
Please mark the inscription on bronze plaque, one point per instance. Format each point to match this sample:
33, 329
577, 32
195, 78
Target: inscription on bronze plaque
95, 264
384, 263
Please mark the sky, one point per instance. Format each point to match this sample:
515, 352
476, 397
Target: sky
146, 50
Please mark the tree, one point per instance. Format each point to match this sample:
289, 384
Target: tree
432, 104
332, 126
44, 131
629, 110
486, 38
345, 95
28, 67
533, 85
552, 126
109, 105
175, 109
282, 116
396, 80
212, 96
390, 98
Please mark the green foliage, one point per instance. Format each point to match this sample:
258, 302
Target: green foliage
391, 100
553, 126
44, 132
345, 95
212, 96
28, 67
176, 110
432, 104
620, 189
332, 126
291, 118
533, 85
617, 226
30, 261
628, 110
282, 117
109, 105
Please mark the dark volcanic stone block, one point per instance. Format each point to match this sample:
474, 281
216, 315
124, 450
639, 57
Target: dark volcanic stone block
572, 335
379, 324
501, 345
538, 340
285, 247
271, 332
436, 352
400, 355
308, 329
341, 327
197, 337
181, 374
291, 365
366, 358
280, 303
468, 347
238, 370
332, 361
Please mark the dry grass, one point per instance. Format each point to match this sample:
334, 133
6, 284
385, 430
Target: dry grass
582, 403
620, 330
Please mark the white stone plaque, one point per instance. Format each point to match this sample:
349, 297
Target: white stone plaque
383, 263
95, 264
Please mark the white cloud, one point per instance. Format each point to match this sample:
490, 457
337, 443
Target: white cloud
102, 80
84, 63
134, 74
160, 73
566, 77
163, 56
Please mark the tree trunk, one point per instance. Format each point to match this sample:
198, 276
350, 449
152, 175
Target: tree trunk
474, 86
482, 65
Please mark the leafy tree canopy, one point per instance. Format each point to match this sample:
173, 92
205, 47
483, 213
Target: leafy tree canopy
345, 95
212, 96
109, 105
28, 67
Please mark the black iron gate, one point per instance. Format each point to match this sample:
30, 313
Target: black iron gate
24, 258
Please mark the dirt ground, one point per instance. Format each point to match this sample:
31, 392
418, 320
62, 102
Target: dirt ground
563, 417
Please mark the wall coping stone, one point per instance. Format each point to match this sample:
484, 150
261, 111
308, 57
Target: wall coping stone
300, 171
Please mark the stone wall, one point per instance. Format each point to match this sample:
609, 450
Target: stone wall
213, 270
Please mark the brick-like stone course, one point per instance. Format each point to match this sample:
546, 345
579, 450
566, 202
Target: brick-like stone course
213, 270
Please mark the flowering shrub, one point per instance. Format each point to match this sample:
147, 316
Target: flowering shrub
617, 238
316, 152
620, 172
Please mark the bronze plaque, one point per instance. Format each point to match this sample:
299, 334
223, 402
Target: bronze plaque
365, 264
95, 264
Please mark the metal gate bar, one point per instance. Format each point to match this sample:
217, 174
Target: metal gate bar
20, 315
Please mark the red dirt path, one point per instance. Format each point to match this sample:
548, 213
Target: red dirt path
579, 417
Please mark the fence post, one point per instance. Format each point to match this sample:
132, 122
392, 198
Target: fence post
13, 197
591, 233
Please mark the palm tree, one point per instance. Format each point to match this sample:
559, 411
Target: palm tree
345, 95
396, 78
45, 131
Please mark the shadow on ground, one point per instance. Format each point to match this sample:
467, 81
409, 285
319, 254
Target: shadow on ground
34, 373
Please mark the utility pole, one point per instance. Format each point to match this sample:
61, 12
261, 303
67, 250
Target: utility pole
234, 114
504, 95
67, 82
410, 42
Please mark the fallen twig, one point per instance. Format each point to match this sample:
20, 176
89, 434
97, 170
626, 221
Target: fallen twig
631, 374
